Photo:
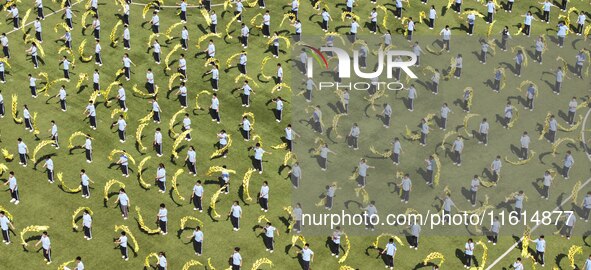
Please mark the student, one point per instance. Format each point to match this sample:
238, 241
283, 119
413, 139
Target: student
354, 137
325, 18
547, 182
197, 238
524, 141
569, 225
298, 30
87, 224
494, 229
580, 23
308, 256
519, 58
236, 259
317, 116
121, 126
46, 245
13, 12
90, 112
508, 113
269, 236
540, 250
244, 33
214, 108
156, 51
246, 91
561, 33
213, 18
98, 60
552, 128
33, 85
517, 265
156, 110
559, 78
162, 218
362, 171
297, 217
155, 22
225, 179
66, 67
242, 61
187, 126
235, 214
23, 151
572, 110
185, 38
223, 139
471, 18
2, 78
458, 147
245, 128
48, 165
324, 151
459, 65
483, 129
161, 178
491, 10
406, 187
586, 206
264, 197
182, 68
126, 12
527, 23
412, 95
336, 242
415, 231
61, 95
546, 5
127, 66
435, 81
258, 157
121, 97
158, 142
266, 24
474, 184
215, 77
424, 132
4, 225
96, 27
390, 251
197, 196
353, 32
295, 175
13, 188
495, 167
446, 206
150, 81
445, 33
210, 51
124, 203
429, 166
126, 37
518, 198
85, 183
54, 137
88, 148
529, 97
396, 151
387, 115
289, 136
122, 242
191, 161
370, 214
567, 164
96, 80
483, 51
330, 193
33, 52
27, 116
183, 13
162, 262
278, 109
505, 35
68, 15
468, 253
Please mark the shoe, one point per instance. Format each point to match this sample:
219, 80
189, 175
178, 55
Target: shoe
16, 202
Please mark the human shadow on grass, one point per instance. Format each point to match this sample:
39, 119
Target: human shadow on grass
32, 239
109, 195
42, 159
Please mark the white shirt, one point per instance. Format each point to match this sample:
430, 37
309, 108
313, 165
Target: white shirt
22, 148
236, 211
265, 192
45, 242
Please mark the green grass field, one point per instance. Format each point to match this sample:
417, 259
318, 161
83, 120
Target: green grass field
100, 252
